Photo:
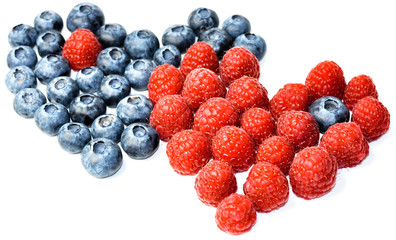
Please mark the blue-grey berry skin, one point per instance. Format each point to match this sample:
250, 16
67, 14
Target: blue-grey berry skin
50, 117
138, 73
101, 157
113, 88
134, 108
107, 126
50, 42
19, 78
111, 35
27, 101
62, 90
73, 136
140, 140
202, 19
253, 43
86, 107
22, 56
48, 20
168, 54
50, 67
85, 15
236, 25
328, 111
179, 35
141, 44
218, 39
22, 35
113, 60
89, 79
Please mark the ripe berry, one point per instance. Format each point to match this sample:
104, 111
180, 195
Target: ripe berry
50, 67
180, 36
236, 25
111, 35
252, 42
73, 136
107, 126
50, 42
113, 60
139, 140
27, 101
50, 117
138, 73
85, 15
22, 56
48, 20
22, 35
168, 54
141, 44
218, 39
357, 88
19, 78
258, 123
62, 90
202, 19
199, 55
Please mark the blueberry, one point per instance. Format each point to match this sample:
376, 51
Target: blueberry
328, 111
134, 108
107, 126
48, 20
253, 43
50, 67
86, 107
19, 78
50, 117
62, 90
140, 140
111, 35
113, 88
236, 25
73, 136
22, 35
138, 73
22, 56
85, 15
101, 157
179, 35
113, 60
89, 79
27, 101
168, 54
202, 19
141, 44
218, 39
50, 42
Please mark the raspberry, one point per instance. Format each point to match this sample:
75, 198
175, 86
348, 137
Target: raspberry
200, 85
170, 115
81, 49
359, 87
313, 173
235, 214
164, 80
214, 182
234, 146
346, 142
267, 187
326, 79
276, 150
299, 128
247, 92
372, 117
188, 151
199, 55
214, 114
258, 123
238, 62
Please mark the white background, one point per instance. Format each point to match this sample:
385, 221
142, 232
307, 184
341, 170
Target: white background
46, 194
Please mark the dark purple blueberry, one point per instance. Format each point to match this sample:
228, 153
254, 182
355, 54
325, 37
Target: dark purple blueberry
111, 35
218, 39
141, 44
85, 15
202, 19
168, 54
236, 25
48, 20
253, 43
140, 140
179, 35
22, 35
50, 42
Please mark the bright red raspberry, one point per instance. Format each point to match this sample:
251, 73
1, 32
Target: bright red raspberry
238, 62
372, 117
200, 85
313, 173
199, 55
214, 182
326, 79
293, 96
214, 114
247, 92
234, 146
164, 80
278, 151
235, 214
170, 115
267, 187
346, 142
81, 49
299, 128
359, 87
258, 123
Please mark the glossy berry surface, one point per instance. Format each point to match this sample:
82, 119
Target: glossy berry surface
202, 19
252, 42
50, 67
19, 78
48, 20
113, 88
27, 101
89, 79
134, 108
138, 73
236, 25
181, 36
218, 39
86, 107
140, 140
22, 56
199, 55
111, 35
141, 44
113, 60
50, 42
73, 136
258, 123
168, 54
85, 15
22, 35
357, 88
62, 90
107, 126
50, 117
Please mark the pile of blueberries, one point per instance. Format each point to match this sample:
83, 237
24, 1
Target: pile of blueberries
125, 62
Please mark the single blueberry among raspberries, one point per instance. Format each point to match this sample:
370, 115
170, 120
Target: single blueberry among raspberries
218, 39
168, 54
101, 157
27, 101
107, 126
140, 140
202, 19
138, 73
236, 25
22, 56
113, 60
50, 42
113, 88
19, 78
48, 20
141, 44
111, 35
50, 117
50, 67
179, 35
253, 43
62, 90
134, 108
73, 136
22, 35
85, 15
328, 111
89, 79
86, 107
